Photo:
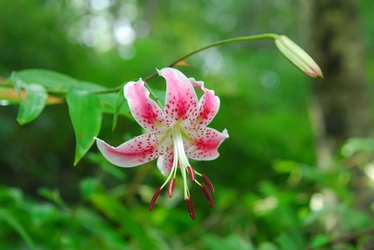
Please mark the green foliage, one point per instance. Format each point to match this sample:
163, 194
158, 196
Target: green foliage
34, 103
81, 99
6, 216
86, 127
270, 193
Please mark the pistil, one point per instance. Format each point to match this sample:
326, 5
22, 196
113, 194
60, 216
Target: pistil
180, 161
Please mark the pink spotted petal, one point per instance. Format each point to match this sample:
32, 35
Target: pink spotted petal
165, 161
208, 104
137, 151
144, 110
181, 101
196, 84
204, 143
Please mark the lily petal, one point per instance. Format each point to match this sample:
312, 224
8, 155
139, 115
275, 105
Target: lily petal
208, 104
204, 143
181, 100
166, 159
165, 163
144, 110
196, 84
137, 151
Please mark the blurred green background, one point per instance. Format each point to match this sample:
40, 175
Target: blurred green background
268, 184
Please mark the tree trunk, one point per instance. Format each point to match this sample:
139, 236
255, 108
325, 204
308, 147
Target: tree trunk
333, 32
341, 106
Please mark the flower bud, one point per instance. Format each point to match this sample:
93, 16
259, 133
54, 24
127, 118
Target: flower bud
298, 57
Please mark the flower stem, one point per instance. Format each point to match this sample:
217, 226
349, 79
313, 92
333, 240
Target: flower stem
231, 40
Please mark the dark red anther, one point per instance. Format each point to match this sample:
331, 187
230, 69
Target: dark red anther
154, 198
210, 185
191, 208
207, 194
171, 187
191, 172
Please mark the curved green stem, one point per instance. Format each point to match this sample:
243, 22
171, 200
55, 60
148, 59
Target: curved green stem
231, 40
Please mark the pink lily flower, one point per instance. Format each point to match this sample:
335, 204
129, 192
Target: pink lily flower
174, 134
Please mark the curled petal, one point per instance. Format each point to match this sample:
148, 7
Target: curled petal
196, 84
144, 110
139, 150
161, 165
181, 99
204, 143
208, 104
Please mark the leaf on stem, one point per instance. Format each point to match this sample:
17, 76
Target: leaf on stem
33, 103
52, 81
85, 114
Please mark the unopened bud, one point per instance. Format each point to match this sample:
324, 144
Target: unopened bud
298, 57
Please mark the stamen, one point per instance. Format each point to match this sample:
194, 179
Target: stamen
171, 187
154, 198
210, 185
207, 194
191, 208
191, 172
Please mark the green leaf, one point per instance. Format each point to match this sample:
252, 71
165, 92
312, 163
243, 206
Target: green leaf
108, 104
355, 145
85, 114
120, 100
117, 212
267, 246
52, 195
13, 222
8, 194
88, 187
35, 100
320, 240
59, 84
102, 233
54, 81
288, 242
228, 242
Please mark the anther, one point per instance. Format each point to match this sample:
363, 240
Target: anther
171, 187
207, 194
154, 198
191, 208
210, 185
191, 172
